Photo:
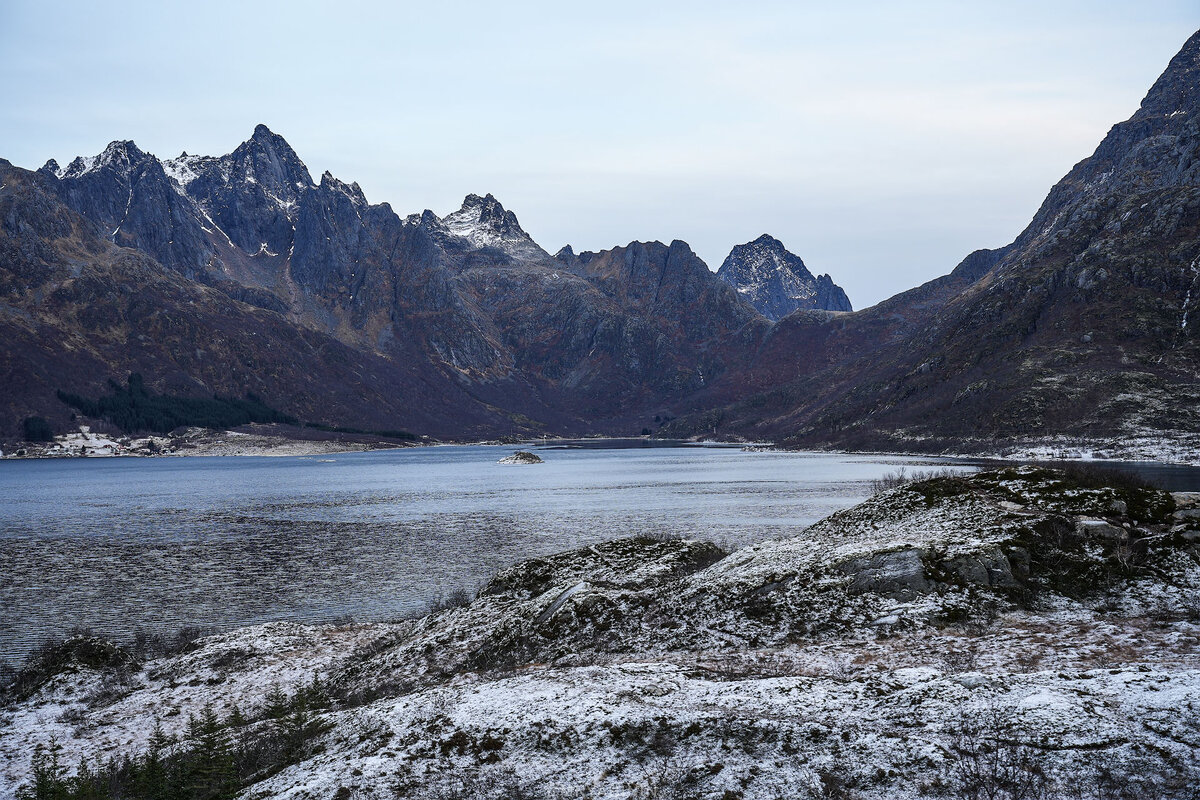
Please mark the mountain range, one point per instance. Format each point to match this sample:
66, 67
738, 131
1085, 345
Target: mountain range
241, 273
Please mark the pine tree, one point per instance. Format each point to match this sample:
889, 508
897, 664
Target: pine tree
213, 772
276, 703
88, 785
49, 775
152, 781
236, 718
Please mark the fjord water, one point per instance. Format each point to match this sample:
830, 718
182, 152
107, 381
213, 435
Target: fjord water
119, 543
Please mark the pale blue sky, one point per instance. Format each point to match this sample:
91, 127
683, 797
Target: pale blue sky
880, 141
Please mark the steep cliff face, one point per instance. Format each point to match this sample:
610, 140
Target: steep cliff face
776, 282
130, 197
252, 194
669, 281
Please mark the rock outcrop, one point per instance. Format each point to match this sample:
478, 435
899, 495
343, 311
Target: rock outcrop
522, 457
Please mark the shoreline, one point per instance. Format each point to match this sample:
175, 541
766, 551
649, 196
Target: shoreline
273, 441
886, 639
262, 441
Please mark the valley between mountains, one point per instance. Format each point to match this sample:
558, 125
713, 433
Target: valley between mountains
243, 274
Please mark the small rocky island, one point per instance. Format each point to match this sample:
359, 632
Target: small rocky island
522, 457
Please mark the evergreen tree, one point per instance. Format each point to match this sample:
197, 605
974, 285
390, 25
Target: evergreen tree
212, 772
37, 429
152, 780
275, 704
88, 785
49, 775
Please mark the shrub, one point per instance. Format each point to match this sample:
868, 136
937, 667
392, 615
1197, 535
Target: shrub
901, 477
1088, 475
457, 598
988, 762
55, 656
150, 644
217, 759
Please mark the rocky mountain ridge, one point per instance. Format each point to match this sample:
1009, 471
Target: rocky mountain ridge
468, 300
1080, 328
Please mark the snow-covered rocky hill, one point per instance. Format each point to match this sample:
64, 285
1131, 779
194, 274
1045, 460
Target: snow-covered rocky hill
1016, 628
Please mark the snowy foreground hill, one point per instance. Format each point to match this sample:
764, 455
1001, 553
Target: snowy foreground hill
1020, 633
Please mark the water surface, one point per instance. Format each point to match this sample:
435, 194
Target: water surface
117, 543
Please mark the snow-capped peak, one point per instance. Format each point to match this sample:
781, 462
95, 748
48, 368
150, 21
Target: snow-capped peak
119, 155
184, 169
484, 222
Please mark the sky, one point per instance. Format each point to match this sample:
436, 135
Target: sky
880, 141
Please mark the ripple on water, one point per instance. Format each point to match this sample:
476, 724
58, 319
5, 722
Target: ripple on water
220, 542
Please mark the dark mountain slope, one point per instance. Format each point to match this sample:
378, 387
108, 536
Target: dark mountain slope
1079, 327
467, 302
318, 300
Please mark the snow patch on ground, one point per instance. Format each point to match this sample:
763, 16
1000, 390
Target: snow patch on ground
861, 649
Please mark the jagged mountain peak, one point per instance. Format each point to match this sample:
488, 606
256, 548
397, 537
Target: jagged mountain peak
426, 218
767, 240
185, 168
777, 282
120, 155
1177, 90
267, 158
1155, 149
121, 151
473, 199
350, 190
488, 210
484, 222
265, 139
